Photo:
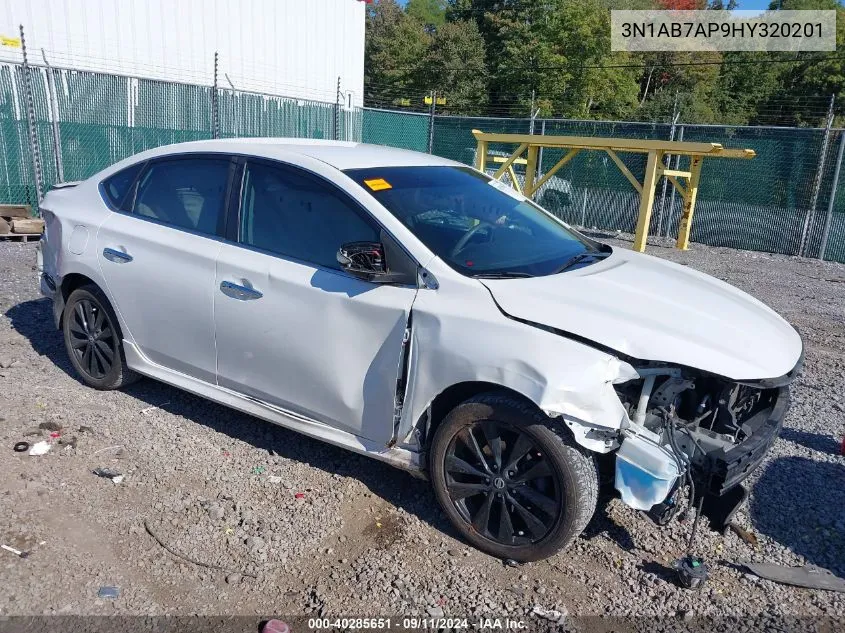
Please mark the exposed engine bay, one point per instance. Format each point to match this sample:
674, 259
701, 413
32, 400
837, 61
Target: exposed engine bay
715, 430
697, 413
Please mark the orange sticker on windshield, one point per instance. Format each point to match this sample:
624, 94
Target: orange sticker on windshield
377, 184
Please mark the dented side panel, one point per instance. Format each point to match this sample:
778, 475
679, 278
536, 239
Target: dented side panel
319, 343
460, 335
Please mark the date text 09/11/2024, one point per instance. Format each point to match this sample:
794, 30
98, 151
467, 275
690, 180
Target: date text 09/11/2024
416, 623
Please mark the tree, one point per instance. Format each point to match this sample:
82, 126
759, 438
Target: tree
455, 67
395, 47
556, 50
503, 56
431, 13
597, 82
818, 75
510, 32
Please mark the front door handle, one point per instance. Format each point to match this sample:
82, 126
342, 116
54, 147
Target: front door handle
236, 291
118, 257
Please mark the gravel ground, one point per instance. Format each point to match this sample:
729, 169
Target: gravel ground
324, 531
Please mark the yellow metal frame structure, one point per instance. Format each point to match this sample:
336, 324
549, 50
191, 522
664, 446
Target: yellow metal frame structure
530, 145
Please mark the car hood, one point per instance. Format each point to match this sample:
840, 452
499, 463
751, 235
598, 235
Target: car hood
656, 310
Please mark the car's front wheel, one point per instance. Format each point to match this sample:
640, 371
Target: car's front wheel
512, 483
93, 341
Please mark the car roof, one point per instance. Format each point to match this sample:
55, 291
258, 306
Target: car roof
339, 154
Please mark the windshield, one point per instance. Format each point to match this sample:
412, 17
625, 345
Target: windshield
479, 226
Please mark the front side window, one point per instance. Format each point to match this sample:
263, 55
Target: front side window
290, 213
475, 224
188, 193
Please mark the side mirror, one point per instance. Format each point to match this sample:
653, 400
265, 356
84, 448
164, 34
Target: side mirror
363, 259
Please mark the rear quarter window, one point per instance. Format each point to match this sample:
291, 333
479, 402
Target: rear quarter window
115, 187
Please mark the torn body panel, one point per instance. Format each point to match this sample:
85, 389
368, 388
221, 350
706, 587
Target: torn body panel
562, 377
607, 403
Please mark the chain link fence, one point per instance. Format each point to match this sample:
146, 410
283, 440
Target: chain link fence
765, 204
789, 199
104, 118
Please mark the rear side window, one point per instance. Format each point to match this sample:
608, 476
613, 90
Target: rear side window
117, 186
187, 193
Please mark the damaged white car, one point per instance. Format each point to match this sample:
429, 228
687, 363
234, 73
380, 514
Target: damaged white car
412, 309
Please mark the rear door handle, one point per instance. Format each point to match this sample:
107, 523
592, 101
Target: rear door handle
118, 257
236, 291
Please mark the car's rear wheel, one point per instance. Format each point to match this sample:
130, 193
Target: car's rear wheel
511, 482
93, 340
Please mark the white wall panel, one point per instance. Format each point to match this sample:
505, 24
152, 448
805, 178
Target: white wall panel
296, 48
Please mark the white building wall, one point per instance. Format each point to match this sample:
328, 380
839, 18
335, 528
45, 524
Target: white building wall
296, 48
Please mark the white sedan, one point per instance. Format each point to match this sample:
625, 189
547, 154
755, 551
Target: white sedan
410, 308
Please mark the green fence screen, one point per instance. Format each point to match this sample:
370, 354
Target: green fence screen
105, 118
764, 204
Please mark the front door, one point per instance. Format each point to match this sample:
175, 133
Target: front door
158, 260
292, 328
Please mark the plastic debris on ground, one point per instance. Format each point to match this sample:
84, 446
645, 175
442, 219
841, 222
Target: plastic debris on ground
108, 473
552, 615
21, 447
14, 551
692, 572
108, 592
40, 448
258, 470
809, 576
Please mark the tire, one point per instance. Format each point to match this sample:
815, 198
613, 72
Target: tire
555, 481
93, 340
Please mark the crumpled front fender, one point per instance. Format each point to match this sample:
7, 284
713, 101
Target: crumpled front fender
590, 407
454, 342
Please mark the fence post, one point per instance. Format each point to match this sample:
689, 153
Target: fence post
215, 112
540, 155
337, 112
817, 182
668, 161
837, 170
54, 111
660, 230
235, 124
431, 121
33, 132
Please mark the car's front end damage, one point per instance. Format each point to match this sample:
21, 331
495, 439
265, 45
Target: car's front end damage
675, 407
691, 429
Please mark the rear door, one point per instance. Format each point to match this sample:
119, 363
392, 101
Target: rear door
293, 329
158, 258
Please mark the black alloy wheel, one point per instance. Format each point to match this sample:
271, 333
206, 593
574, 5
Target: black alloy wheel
512, 481
502, 484
92, 339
